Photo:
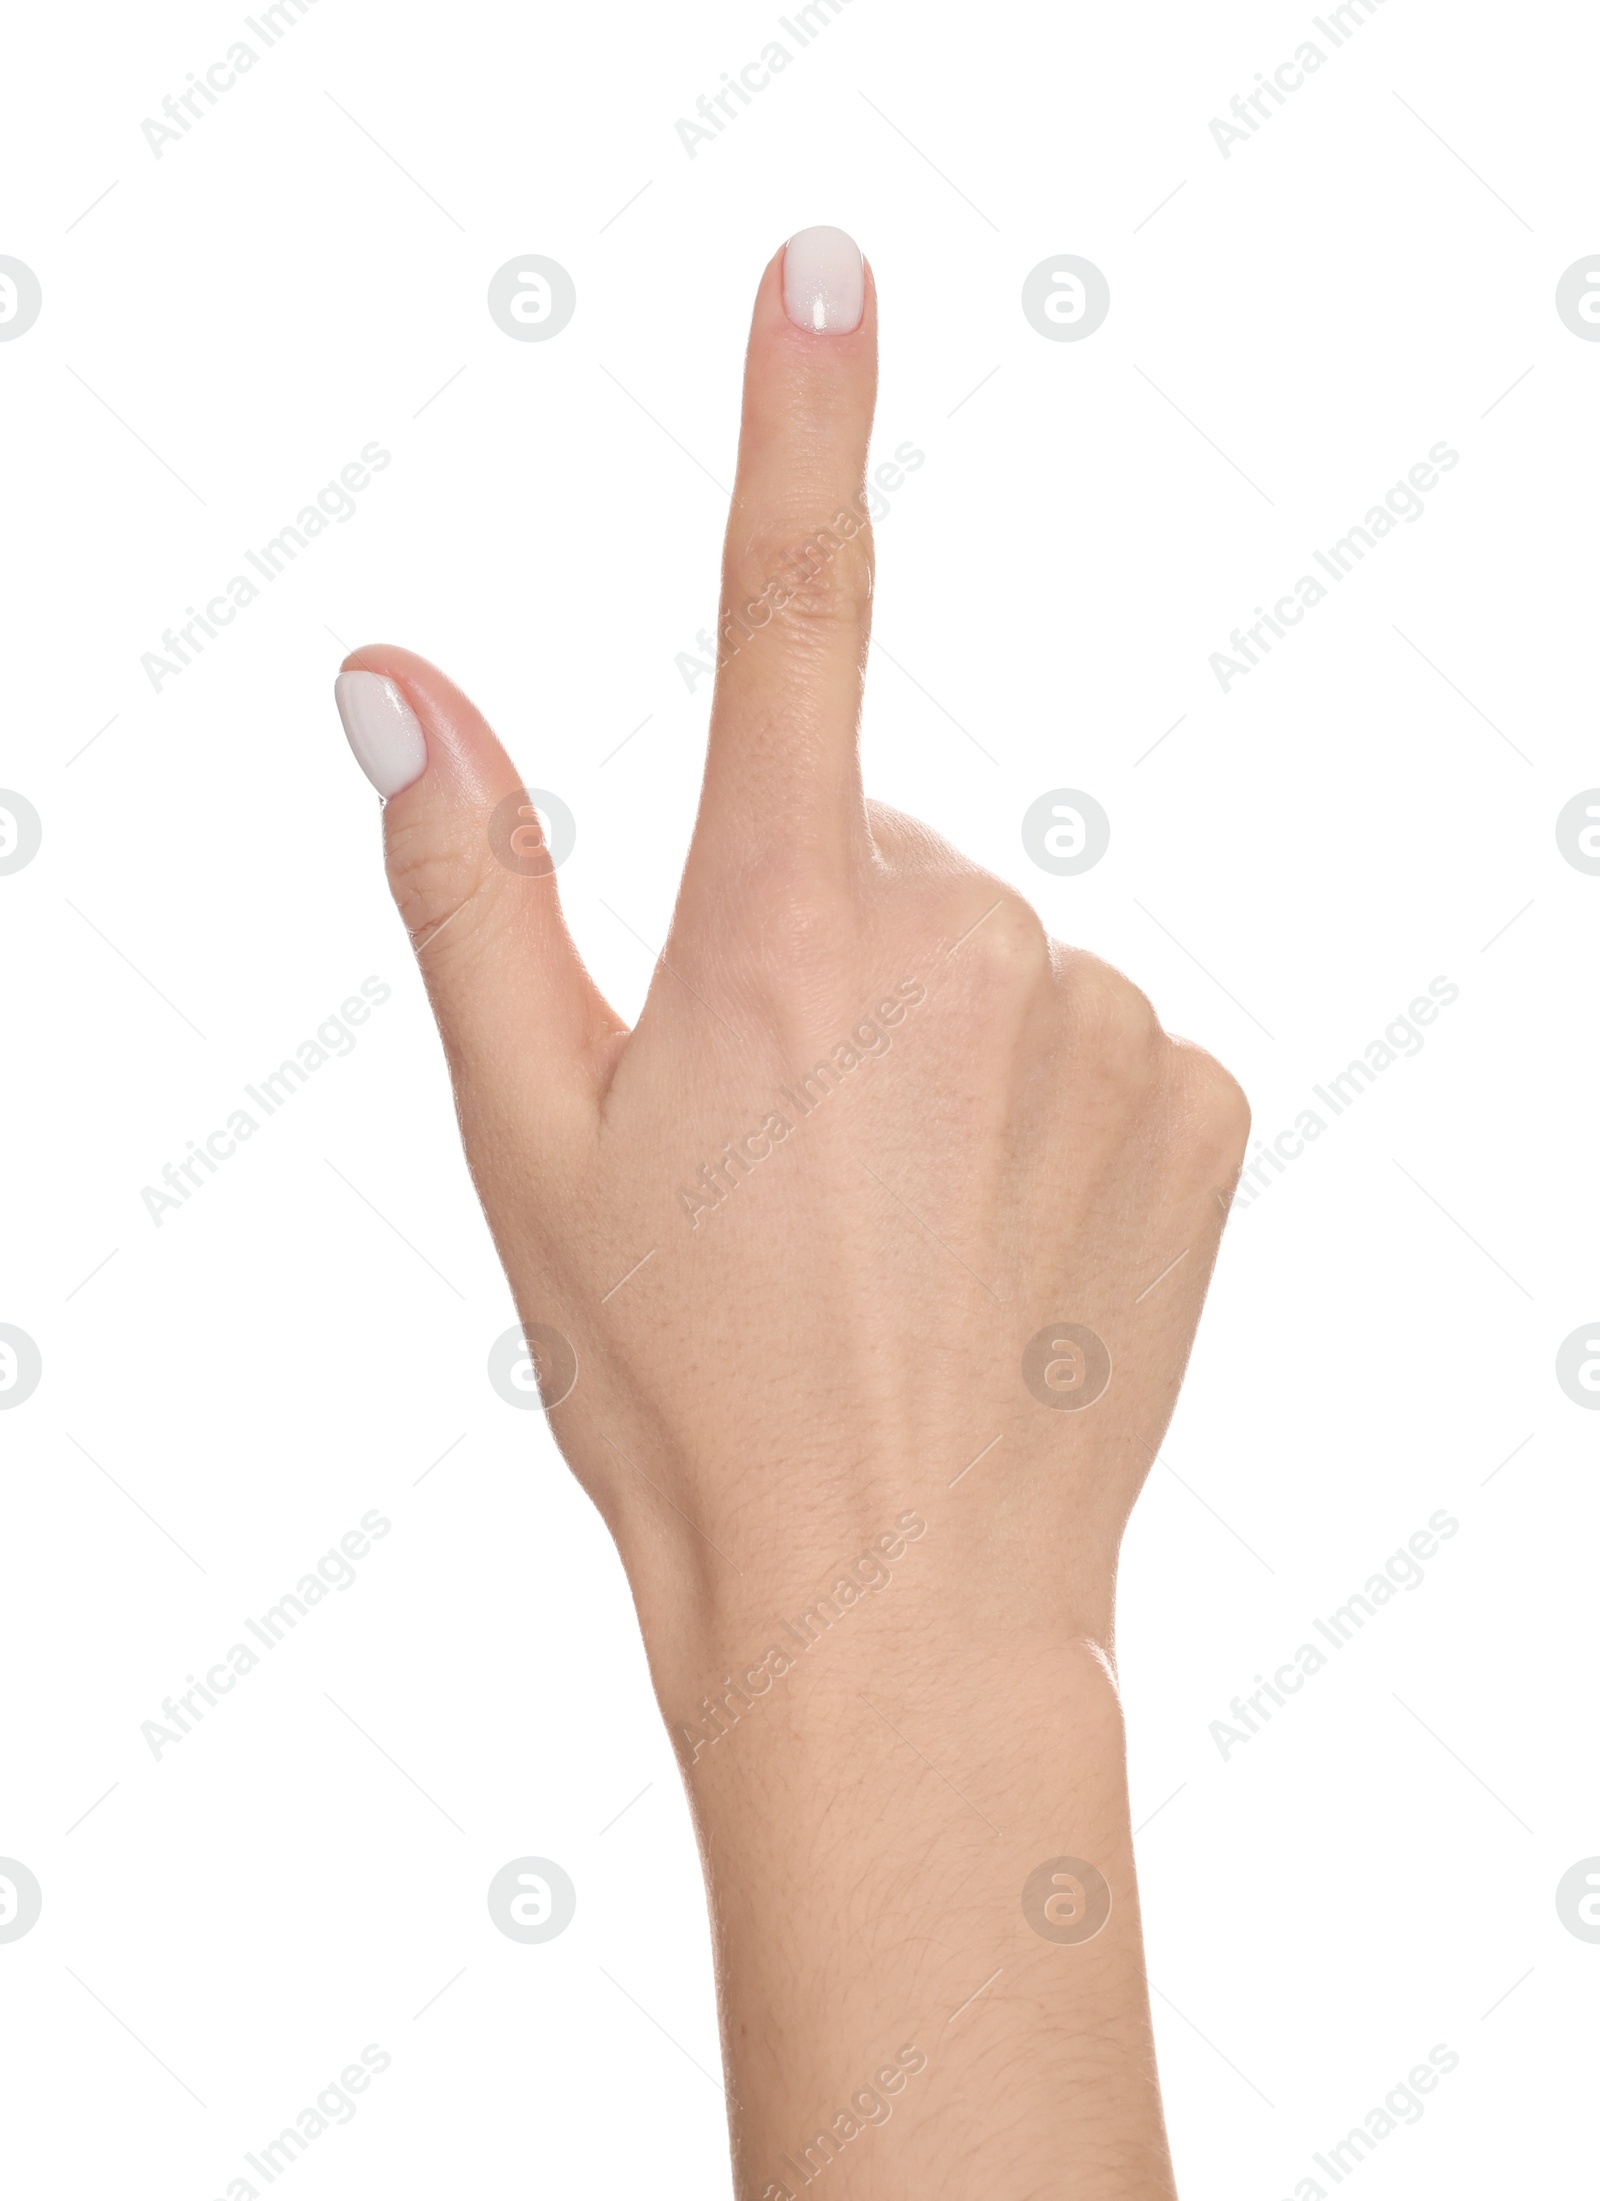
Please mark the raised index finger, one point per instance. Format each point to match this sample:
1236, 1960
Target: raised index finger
797, 566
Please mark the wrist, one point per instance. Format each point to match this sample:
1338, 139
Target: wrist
1033, 1714
897, 1593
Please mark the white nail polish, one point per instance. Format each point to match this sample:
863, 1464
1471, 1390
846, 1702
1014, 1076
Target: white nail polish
381, 728
824, 281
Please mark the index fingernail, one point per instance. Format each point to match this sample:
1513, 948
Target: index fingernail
824, 281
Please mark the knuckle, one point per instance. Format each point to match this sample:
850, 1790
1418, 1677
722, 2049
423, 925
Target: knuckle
1004, 948
1216, 1109
906, 848
1115, 1026
799, 932
801, 578
434, 882
794, 926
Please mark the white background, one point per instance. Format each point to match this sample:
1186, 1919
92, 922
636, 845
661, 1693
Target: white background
1370, 809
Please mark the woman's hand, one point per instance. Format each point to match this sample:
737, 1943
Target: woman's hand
880, 1243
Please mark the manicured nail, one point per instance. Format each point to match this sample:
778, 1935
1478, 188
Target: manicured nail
824, 281
381, 727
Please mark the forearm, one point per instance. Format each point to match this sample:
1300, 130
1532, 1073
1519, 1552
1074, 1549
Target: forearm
895, 2010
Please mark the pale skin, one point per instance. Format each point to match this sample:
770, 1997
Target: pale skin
826, 1346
